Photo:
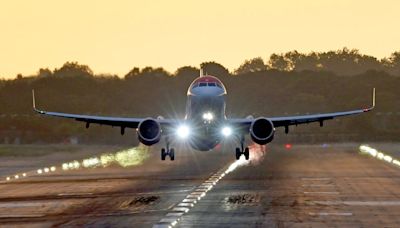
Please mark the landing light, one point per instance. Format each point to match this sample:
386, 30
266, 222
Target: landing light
183, 131
208, 116
226, 131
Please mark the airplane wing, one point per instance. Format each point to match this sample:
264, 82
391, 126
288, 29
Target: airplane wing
286, 121
102, 120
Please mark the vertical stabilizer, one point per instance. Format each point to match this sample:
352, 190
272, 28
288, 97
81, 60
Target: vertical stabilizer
201, 72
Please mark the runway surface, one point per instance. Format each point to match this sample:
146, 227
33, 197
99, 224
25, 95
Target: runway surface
304, 186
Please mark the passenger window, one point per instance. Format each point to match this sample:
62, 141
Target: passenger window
202, 84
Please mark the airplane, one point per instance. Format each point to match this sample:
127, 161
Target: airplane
205, 124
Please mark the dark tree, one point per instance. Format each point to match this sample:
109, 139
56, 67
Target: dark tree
132, 73
393, 63
187, 71
279, 62
156, 72
348, 62
73, 69
252, 65
44, 72
300, 62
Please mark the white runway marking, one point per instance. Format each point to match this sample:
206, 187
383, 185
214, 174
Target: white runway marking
23, 216
189, 200
329, 193
185, 205
193, 197
315, 178
94, 185
331, 214
359, 203
318, 185
162, 225
176, 214
22, 204
181, 209
172, 221
75, 194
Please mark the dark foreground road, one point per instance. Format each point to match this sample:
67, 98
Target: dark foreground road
305, 186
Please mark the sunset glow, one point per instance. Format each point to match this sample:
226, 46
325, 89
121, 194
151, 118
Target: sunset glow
114, 36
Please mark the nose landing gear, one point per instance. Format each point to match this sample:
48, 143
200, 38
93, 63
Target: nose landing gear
242, 150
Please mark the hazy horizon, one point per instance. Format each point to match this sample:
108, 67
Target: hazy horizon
113, 37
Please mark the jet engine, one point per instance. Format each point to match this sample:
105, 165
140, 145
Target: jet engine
149, 131
262, 131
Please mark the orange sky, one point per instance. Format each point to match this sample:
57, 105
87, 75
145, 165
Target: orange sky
114, 36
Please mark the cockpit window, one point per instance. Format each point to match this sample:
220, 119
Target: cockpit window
206, 84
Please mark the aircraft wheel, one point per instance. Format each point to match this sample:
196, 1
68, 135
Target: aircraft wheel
163, 154
238, 153
172, 154
246, 153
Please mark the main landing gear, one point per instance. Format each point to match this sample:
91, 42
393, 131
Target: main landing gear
242, 150
167, 152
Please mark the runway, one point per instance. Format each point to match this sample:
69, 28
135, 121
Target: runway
304, 186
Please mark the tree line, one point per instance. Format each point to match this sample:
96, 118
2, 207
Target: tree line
255, 88
344, 62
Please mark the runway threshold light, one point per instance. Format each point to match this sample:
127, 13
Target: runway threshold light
226, 131
183, 131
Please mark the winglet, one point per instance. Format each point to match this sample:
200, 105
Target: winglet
34, 102
373, 98
373, 102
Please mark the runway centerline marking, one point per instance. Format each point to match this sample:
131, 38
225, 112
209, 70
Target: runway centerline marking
197, 194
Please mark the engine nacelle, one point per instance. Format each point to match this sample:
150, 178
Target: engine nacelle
149, 131
262, 131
